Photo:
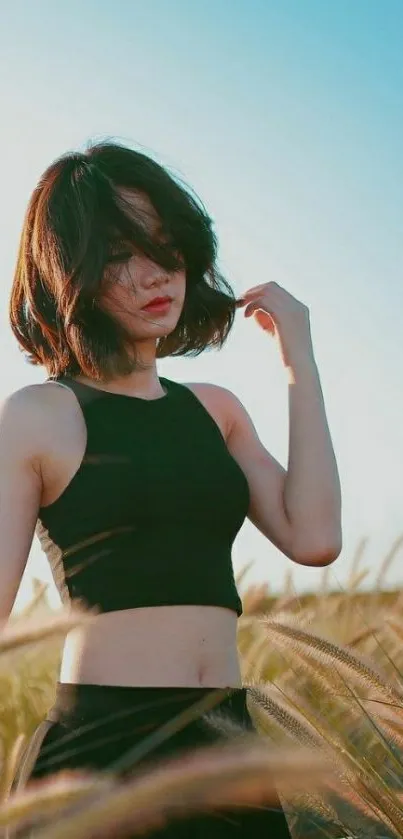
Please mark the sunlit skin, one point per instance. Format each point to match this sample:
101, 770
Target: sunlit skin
129, 287
186, 645
297, 510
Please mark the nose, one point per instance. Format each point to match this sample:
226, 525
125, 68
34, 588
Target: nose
155, 279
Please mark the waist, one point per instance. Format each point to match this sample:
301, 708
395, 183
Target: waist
89, 700
181, 646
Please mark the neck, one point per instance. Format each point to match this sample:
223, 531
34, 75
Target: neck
135, 384
143, 382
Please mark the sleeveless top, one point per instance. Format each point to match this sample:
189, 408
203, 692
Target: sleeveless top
150, 516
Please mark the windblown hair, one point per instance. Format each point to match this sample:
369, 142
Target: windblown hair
76, 225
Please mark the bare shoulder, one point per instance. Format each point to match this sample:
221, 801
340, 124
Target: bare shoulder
32, 401
20, 425
21, 406
28, 415
220, 402
217, 394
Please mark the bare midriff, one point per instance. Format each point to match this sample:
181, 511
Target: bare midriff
158, 646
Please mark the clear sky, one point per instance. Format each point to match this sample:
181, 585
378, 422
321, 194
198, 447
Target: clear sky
287, 120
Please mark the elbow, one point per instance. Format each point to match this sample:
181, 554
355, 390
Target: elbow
318, 557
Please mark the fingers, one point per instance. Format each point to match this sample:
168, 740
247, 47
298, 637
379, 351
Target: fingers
249, 294
254, 290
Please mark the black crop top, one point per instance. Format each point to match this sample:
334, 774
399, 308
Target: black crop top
150, 516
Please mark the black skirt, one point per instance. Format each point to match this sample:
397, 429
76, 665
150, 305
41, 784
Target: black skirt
94, 726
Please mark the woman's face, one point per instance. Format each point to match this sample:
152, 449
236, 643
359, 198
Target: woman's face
133, 284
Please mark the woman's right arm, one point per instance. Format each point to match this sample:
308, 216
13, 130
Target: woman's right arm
20, 492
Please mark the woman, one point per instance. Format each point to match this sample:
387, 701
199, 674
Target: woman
137, 485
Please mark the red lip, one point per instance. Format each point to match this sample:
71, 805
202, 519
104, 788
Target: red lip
157, 301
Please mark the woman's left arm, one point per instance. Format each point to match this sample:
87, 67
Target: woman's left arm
312, 491
300, 507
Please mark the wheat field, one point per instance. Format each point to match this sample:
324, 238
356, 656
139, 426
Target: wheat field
325, 692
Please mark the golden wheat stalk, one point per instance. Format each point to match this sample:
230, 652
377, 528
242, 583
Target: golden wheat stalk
374, 720
346, 758
31, 631
357, 557
254, 659
384, 802
357, 798
319, 672
230, 776
396, 627
332, 743
358, 769
278, 711
302, 725
390, 556
322, 649
48, 797
38, 597
362, 635
239, 578
285, 603
356, 580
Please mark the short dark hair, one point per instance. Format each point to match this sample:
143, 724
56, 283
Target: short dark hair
74, 221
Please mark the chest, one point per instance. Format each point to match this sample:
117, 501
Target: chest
168, 472
175, 465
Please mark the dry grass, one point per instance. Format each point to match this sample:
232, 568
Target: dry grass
213, 778
325, 676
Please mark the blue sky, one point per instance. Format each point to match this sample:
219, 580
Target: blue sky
286, 118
